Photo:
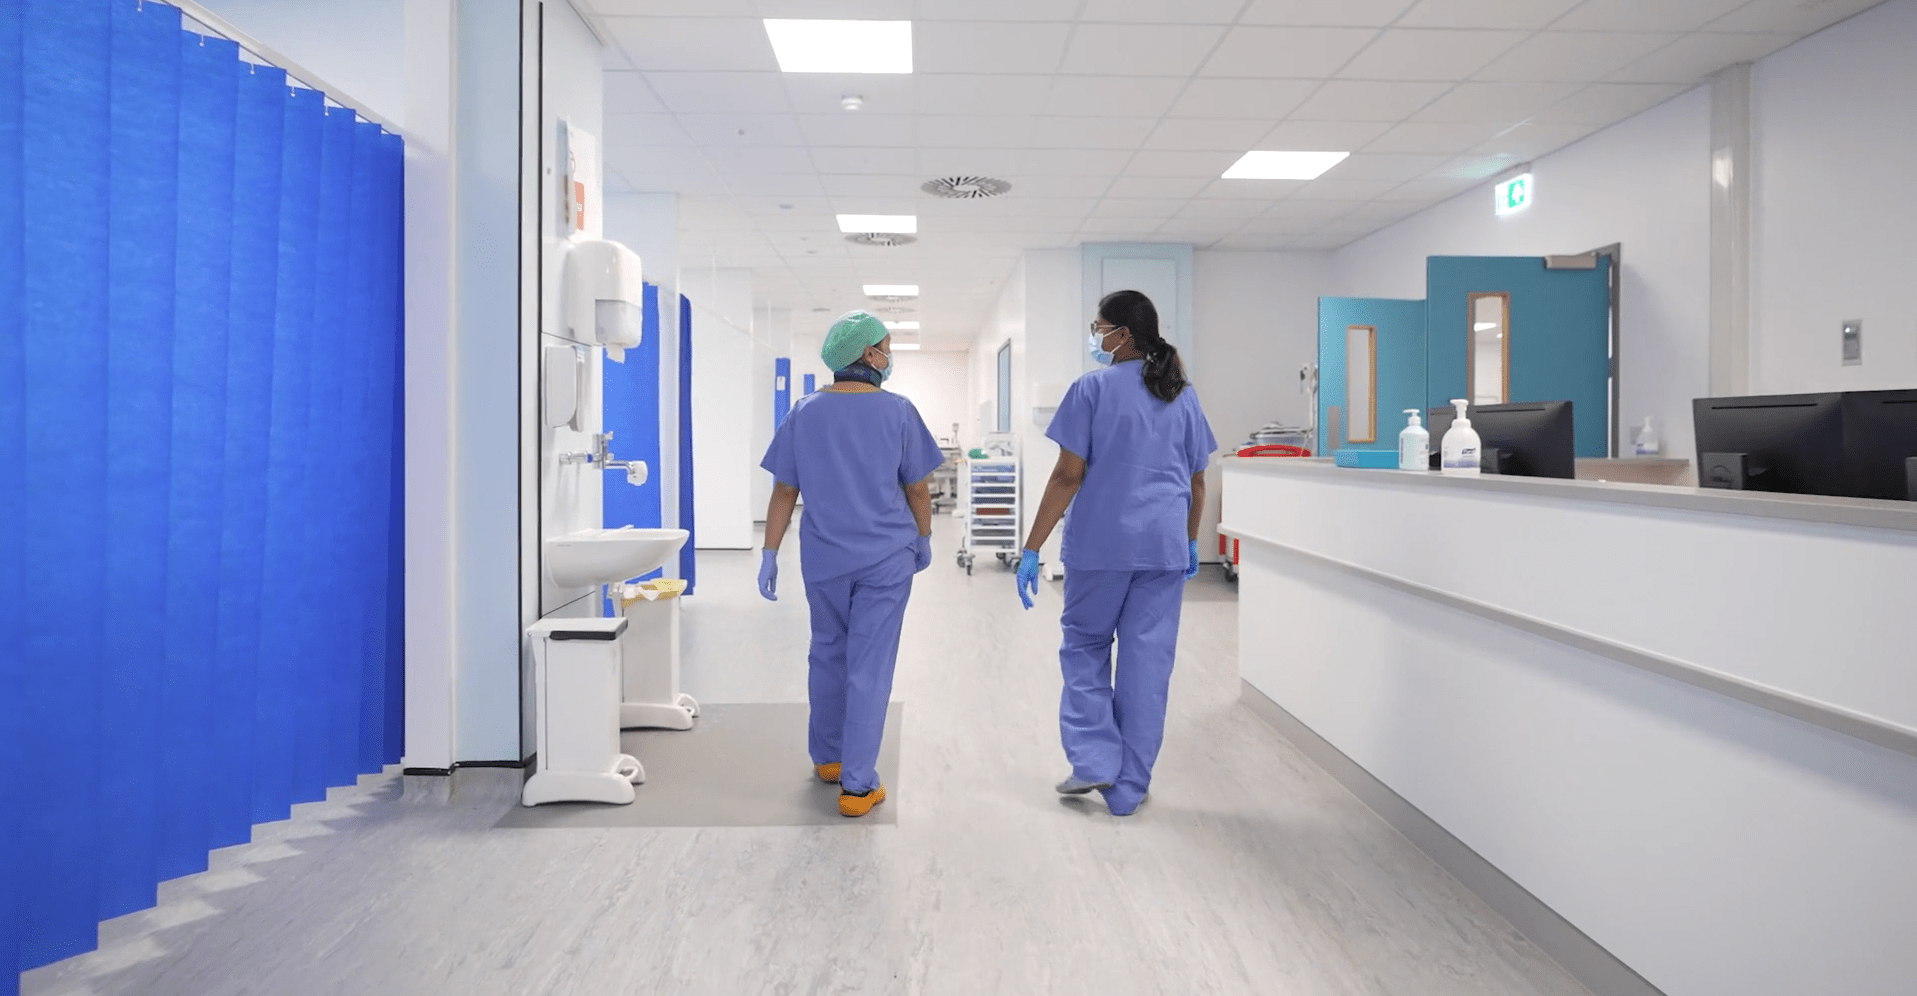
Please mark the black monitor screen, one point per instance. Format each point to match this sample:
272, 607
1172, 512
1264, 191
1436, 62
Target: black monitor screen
1788, 443
1880, 435
1532, 439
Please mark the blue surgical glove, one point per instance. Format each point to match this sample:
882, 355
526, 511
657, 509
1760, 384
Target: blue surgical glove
769, 574
922, 554
1192, 571
1027, 577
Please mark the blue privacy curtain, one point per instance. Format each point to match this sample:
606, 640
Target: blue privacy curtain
688, 556
200, 321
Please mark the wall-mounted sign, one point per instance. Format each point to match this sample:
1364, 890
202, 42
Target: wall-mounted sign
581, 190
1514, 194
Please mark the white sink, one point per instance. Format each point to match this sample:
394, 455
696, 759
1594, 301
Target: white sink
601, 556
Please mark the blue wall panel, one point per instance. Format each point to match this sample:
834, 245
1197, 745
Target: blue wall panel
13, 499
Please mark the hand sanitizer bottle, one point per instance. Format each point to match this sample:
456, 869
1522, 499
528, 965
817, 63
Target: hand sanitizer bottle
1414, 444
1646, 443
1461, 445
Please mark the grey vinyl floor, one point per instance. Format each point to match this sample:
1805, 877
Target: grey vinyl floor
1249, 871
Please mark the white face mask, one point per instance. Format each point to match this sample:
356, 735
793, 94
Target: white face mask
1095, 345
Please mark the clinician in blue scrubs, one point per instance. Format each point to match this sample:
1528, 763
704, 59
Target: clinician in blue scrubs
1133, 445
861, 456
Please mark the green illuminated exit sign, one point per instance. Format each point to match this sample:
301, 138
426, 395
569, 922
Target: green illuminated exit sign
1514, 194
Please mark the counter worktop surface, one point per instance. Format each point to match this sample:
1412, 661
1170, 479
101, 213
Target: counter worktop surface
1859, 512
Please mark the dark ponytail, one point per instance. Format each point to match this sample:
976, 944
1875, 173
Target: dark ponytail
1131, 310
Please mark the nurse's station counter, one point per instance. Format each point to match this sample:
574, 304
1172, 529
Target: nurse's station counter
1666, 731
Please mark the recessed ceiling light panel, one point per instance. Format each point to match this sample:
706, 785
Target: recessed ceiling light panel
1284, 165
819, 46
900, 224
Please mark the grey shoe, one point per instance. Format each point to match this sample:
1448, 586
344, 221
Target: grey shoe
1075, 786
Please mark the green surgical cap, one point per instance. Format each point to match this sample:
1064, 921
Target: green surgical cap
854, 331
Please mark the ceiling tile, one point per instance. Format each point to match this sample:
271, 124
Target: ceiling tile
674, 8
968, 131
1345, 190
1071, 162
858, 129
988, 47
865, 160
1608, 103
719, 93
648, 131
1286, 53
1525, 16
1636, 15
1319, 243
1428, 190
856, 185
1253, 190
695, 43
1796, 16
1243, 242
1383, 212
1427, 137
1695, 56
1429, 54
1533, 139
1475, 166
1352, 100
1386, 166
1357, 13
1161, 11
1135, 227
1143, 50
820, 93
1494, 102
1112, 96
868, 10
742, 130
997, 10
1062, 186
1163, 162
778, 185
643, 160
1160, 208
1302, 211
1091, 133
628, 93
702, 182
1322, 136
1236, 209
1176, 189
1199, 134
999, 163
1270, 99
961, 93
1573, 56
746, 161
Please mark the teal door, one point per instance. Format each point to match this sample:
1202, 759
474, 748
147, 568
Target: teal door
1507, 329
1371, 367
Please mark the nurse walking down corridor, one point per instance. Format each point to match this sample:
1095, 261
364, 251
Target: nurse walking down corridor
862, 457
1133, 445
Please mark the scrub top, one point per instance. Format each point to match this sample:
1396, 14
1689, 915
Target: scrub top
1140, 454
851, 455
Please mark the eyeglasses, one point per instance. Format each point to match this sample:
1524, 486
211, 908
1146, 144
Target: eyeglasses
1107, 330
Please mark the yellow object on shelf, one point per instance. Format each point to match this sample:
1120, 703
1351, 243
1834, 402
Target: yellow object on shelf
649, 591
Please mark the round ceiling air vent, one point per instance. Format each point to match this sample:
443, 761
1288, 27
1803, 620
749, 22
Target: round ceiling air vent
961, 188
895, 309
881, 239
891, 298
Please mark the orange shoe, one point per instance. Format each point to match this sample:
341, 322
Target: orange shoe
827, 772
859, 805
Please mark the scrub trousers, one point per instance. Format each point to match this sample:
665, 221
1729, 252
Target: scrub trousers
1112, 729
855, 647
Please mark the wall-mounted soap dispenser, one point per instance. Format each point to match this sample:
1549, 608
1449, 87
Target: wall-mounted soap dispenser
604, 295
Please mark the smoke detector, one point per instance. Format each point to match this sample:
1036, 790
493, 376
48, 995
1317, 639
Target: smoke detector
852, 102
963, 188
887, 239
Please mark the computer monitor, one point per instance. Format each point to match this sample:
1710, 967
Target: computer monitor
1880, 440
1788, 443
1530, 439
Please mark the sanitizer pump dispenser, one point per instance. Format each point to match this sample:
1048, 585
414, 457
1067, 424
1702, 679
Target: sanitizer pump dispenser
1414, 444
1461, 445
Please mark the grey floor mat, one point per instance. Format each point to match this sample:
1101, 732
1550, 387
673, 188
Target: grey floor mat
739, 766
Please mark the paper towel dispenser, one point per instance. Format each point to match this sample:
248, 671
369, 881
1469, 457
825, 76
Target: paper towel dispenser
604, 296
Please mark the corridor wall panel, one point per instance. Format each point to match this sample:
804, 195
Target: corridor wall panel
200, 345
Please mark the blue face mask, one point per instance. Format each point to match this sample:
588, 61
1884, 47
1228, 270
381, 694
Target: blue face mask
885, 372
1095, 346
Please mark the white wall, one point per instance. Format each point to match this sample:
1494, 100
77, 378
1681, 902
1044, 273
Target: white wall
359, 46
723, 405
1834, 136
936, 384
1642, 183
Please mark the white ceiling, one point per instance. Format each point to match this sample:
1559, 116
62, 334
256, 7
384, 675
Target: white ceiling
1113, 119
